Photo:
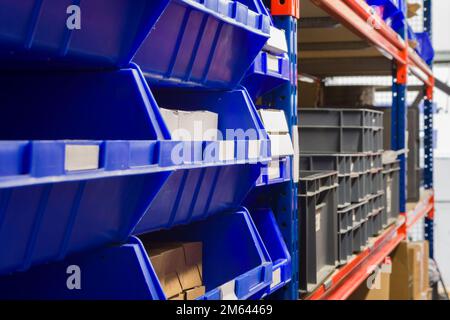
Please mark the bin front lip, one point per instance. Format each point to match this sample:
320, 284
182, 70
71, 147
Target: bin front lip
26, 180
229, 19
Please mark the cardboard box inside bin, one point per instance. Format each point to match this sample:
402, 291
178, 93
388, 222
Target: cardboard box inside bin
194, 293
274, 121
281, 145
198, 125
178, 267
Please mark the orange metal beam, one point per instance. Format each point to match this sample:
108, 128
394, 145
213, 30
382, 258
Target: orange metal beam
423, 209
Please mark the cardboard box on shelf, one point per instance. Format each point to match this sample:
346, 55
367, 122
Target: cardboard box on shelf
311, 94
376, 287
410, 280
419, 270
400, 281
194, 293
414, 264
425, 264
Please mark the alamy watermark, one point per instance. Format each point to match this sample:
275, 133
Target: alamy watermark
73, 21
374, 19
73, 281
374, 280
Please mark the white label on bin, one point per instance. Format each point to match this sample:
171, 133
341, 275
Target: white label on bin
228, 291
296, 165
273, 170
81, 157
276, 277
318, 214
389, 195
272, 63
226, 150
254, 146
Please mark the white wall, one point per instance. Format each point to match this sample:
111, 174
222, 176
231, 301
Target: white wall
441, 25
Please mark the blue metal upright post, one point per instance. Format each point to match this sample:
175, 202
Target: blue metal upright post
399, 112
428, 128
285, 98
398, 139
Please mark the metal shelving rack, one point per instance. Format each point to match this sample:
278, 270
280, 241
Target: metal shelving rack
392, 49
285, 17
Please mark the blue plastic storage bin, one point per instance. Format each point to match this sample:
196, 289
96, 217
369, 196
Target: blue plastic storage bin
195, 194
270, 233
393, 12
35, 33
266, 73
217, 186
285, 173
109, 105
48, 208
204, 43
425, 47
236, 258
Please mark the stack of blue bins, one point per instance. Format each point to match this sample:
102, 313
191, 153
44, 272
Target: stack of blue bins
87, 160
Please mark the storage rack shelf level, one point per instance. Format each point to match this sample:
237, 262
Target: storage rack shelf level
348, 278
384, 52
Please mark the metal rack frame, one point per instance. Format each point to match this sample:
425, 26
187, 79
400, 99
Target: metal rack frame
354, 14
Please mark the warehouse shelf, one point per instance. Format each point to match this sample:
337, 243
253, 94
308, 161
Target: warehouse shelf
200, 43
348, 38
103, 91
236, 265
348, 278
80, 193
360, 23
126, 152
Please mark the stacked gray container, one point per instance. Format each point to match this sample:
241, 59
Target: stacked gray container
317, 201
349, 141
